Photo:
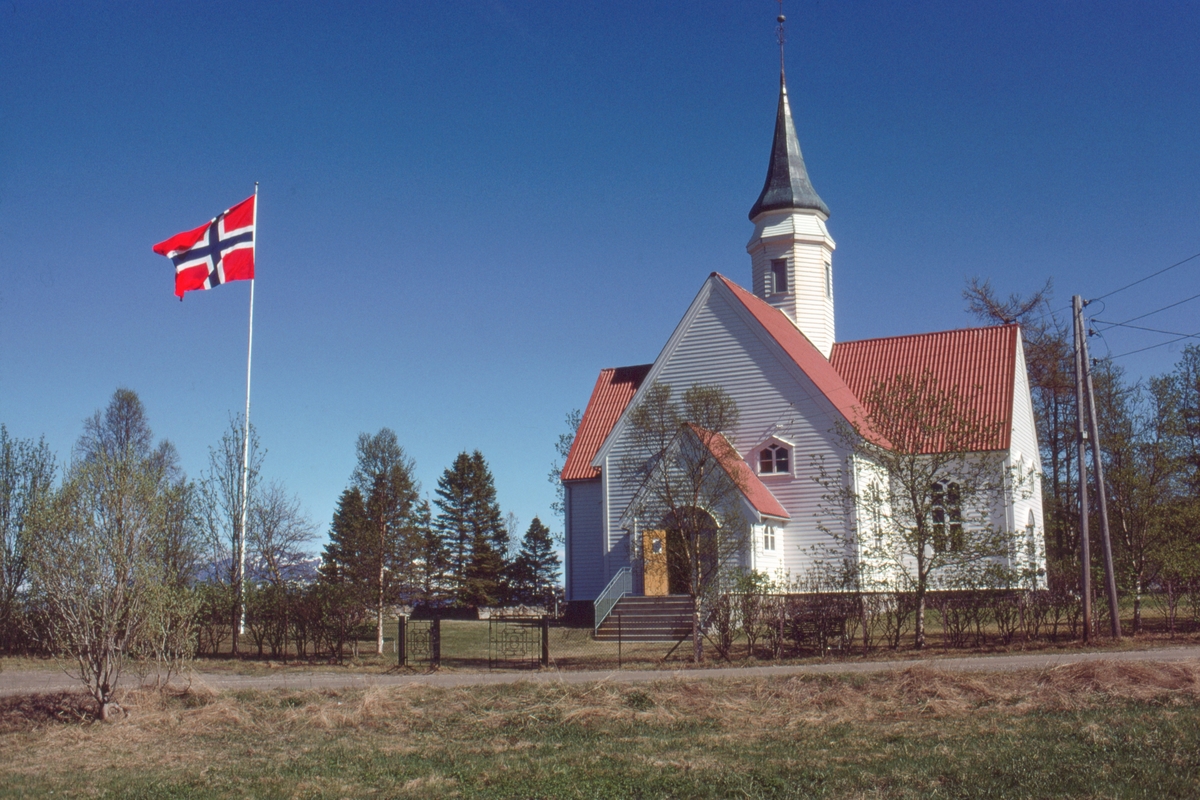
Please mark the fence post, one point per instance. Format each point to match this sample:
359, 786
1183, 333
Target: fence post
783, 609
619, 638
435, 642
402, 640
545, 641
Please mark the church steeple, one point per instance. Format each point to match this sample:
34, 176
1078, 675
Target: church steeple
791, 251
787, 185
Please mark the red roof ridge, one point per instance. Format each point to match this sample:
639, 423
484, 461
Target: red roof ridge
928, 333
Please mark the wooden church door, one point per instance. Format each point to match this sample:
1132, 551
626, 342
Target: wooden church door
654, 561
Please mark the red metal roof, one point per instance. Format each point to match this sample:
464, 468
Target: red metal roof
614, 389
807, 357
743, 476
979, 363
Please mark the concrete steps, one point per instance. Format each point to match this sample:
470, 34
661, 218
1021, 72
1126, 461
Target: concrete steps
648, 619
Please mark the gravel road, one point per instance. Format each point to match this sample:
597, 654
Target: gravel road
33, 682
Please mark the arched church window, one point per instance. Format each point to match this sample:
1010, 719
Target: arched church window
779, 277
946, 510
773, 460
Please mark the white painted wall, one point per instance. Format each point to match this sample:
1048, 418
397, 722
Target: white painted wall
585, 540
1023, 450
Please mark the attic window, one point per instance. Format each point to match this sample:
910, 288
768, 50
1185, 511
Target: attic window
773, 460
779, 280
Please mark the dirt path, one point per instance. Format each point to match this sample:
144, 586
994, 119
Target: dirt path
31, 682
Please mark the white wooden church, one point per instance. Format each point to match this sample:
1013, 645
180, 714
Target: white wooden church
772, 348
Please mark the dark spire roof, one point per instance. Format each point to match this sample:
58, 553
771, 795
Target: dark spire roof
787, 183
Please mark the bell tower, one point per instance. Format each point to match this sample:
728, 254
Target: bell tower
791, 251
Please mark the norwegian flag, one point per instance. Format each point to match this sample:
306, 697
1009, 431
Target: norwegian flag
217, 252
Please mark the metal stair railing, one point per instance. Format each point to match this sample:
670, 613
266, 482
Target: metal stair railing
620, 585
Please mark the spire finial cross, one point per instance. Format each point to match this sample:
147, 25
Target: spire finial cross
779, 35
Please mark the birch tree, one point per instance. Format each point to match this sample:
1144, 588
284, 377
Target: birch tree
224, 496
27, 471
681, 470
1138, 439
97, 558
383, 476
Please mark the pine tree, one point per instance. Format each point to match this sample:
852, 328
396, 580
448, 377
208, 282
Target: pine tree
473, 533
536, 568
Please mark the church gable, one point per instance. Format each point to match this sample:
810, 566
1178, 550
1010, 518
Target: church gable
722, 342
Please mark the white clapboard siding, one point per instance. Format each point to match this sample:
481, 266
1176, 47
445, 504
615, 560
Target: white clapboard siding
800, 237
759, 559
1023, 452
585, 540
717, 345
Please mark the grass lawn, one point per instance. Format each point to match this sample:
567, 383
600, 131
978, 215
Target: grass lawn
1089, 730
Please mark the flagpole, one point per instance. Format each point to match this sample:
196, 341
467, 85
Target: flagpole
246, 441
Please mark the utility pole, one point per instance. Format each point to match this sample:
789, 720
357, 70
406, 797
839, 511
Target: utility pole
1110, 578
1085, 552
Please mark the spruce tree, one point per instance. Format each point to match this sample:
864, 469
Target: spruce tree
536, 568
341, 560
343, 592
473, 533
430, 588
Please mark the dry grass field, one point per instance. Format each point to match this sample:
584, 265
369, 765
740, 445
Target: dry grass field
1088, 730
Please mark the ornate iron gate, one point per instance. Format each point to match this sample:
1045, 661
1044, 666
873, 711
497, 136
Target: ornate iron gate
420, 642
517, 642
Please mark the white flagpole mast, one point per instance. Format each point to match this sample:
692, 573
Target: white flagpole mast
246, 440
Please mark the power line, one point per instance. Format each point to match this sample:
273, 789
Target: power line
1148, 277
1045, 314
1155, 311
1140, 328
1160, 344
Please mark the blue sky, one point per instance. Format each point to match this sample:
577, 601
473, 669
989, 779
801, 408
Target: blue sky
468, 209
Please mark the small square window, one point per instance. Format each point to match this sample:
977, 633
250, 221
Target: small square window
656, 547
